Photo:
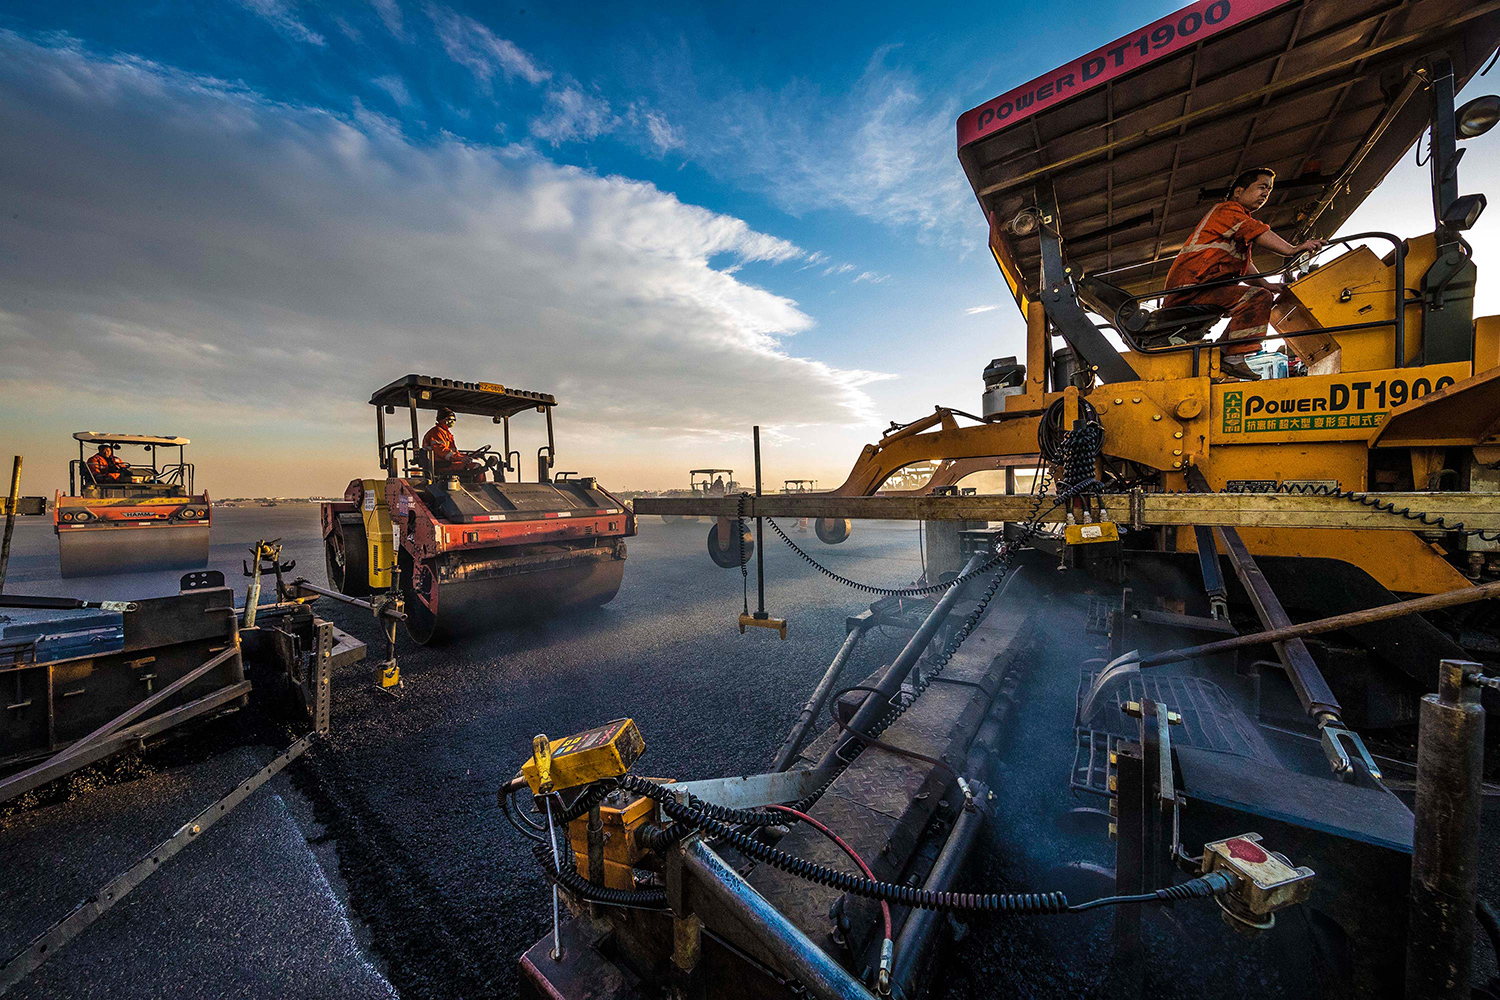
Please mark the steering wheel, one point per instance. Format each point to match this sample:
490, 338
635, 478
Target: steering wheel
478, 452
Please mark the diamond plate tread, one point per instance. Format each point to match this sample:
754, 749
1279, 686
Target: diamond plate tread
805, 903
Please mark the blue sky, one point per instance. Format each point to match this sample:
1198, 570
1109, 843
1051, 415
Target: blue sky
234, 219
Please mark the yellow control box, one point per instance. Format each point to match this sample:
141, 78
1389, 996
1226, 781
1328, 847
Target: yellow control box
1088, 534
606, 751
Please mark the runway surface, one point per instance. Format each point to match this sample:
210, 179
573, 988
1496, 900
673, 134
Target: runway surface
379, 864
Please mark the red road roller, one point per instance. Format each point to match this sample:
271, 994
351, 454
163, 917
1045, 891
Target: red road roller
468, 544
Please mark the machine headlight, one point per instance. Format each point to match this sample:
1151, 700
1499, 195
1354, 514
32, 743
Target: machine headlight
1478, 116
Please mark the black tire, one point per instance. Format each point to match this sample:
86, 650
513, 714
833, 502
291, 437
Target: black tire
727, 558
421, 623
346, 555
832, 530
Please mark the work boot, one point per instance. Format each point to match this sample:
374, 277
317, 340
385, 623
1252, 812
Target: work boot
1234, 365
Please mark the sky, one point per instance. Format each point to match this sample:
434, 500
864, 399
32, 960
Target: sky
234, 221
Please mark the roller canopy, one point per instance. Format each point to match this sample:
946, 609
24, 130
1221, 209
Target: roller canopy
483, 398
100, 437
1140, 136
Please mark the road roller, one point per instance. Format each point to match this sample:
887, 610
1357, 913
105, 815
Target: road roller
464, 540
702, 483
120, 516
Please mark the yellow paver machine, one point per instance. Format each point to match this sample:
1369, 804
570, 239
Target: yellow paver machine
1237, 593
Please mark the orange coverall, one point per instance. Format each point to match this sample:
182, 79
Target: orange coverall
444, 451
108, 470
1221, 248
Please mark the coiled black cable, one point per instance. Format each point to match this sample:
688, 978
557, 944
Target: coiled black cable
1386, 506
929, 589
905, 895
566, 875
1050, 432
858, 885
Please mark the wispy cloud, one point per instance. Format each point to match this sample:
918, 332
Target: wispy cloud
572, 114
396, 87
838, 269
882, 148
659, 132
481, 51
873, 277
280, 14
299, 258
976, 310
390, 15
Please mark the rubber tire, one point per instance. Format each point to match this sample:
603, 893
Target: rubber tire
351, 574
833, 530
421, 624
725, 559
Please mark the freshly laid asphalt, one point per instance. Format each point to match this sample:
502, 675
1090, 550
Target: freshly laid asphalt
379, 863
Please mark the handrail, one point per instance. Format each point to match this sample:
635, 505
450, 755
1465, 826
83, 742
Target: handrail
1399, 321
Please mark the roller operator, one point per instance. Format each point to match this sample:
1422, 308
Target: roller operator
106, 467
1221, 247
447, 460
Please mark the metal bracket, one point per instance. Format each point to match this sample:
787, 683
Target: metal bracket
753, 790
1334, 737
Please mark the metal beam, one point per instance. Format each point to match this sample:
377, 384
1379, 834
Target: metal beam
1140, 510
796, 953
45, 945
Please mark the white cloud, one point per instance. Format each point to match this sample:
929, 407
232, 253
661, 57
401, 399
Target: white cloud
481, 51
396, 87
390, 15
881, 148
838, 269
873, 277
259, 259
571, 114
279, 13
976, 310
661, 133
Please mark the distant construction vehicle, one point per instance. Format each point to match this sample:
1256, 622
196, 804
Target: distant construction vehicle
702, 483
124, 517
470, 551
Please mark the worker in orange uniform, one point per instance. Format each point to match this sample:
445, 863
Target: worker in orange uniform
1220, 248
447, 460
105, 467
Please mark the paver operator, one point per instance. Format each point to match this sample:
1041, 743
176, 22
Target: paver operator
1221, 247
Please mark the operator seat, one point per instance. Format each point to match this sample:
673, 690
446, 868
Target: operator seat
1147, 327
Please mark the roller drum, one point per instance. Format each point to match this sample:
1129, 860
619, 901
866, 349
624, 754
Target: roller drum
106, 551
467, 596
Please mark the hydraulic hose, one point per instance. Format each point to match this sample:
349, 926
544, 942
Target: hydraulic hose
903, 895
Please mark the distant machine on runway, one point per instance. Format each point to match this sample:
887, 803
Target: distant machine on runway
126, 517
475, 548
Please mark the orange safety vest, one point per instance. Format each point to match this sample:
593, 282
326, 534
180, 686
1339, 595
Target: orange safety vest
103, 468
1219, 248
439, 441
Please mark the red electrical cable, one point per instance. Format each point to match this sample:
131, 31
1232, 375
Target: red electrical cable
885, 908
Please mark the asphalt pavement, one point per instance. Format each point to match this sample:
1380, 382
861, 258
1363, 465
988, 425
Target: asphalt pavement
379, 864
